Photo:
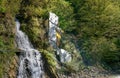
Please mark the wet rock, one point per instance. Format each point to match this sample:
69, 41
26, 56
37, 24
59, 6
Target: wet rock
64, 56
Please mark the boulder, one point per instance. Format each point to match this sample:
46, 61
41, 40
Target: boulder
64, 55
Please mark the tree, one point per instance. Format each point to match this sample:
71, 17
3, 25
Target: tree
98, 28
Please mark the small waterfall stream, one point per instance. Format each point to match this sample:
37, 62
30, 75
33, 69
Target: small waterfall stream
31, 65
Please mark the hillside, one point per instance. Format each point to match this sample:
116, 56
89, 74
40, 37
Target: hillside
59, 38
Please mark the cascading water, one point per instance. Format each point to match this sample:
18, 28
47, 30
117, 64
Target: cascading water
31, 65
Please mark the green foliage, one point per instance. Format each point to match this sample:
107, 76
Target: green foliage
9, 6
50, 63
7, 45
33, 15
64, 12
98, 29
6, 37
6, 59
95, 22
96, 17
49, 58
76, 65
35, 31
6, 6
42, 8
97, 46
2, 8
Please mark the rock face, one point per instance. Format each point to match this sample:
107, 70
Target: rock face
53, 22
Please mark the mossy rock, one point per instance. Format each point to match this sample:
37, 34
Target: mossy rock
50, 63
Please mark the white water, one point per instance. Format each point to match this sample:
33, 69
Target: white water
31, 65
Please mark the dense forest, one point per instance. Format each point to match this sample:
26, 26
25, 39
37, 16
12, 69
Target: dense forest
92, 24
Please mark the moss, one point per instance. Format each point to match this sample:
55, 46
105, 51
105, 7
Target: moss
7, 35
7, 46
50, 58
49, 63
36, 32
6, 60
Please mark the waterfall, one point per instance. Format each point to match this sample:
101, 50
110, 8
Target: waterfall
30, 65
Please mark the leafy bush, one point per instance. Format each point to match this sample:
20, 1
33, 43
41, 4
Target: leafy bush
98, 29
2, 8
65, 13
101, 50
